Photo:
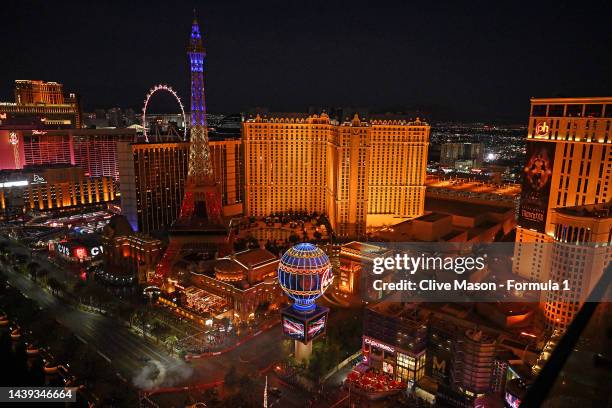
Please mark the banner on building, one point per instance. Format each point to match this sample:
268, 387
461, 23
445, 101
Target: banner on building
537, 175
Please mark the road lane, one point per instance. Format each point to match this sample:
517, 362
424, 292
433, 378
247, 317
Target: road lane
125, 349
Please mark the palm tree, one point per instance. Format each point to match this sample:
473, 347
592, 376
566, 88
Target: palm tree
32, 268
54, 285
171, 342
43, 274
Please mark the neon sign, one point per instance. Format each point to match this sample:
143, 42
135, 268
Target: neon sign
378, 345
39, 132
63, 249
36, 179
542, 129
95, 251
326, 280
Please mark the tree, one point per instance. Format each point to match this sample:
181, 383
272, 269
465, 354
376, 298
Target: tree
43, 274
54, 285
171, 342
32, 268
124, 312
21, 258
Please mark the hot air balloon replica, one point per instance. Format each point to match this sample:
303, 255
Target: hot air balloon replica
304, 274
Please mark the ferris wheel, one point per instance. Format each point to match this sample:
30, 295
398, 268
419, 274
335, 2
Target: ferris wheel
168, 89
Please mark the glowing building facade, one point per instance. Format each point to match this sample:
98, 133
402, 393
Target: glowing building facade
361, 173
128, 256
152, 178
395, 340
245, 280
43, 104
94, 150
473, 363
579, 253
569, 160
52, 188
227, 161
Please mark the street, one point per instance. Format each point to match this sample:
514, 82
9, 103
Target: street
141, 362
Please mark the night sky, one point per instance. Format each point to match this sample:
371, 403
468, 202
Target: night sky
457, 60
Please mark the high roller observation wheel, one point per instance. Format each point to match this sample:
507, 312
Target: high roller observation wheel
152, 91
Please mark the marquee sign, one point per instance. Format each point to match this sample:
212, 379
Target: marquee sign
378, 345
80, 251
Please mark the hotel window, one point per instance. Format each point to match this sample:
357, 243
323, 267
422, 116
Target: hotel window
574, 110
593, 111
556, 110
538, 110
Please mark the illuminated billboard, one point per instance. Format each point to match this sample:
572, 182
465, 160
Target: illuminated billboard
293, 328
316, 327
512, 401
537, 175
304, 327
78, 251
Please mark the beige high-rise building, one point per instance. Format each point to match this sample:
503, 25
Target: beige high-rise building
361, 173
569, 160
579, 253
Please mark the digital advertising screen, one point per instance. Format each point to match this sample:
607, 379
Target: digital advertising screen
535, 193
316, 327
293, 328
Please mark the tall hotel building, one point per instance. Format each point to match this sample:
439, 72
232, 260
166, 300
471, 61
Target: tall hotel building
152, 179
580, 251
361, 173
94, 150
568, 164
42, 103
52, 187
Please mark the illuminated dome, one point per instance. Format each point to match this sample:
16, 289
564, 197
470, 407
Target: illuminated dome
229, 271
304, 273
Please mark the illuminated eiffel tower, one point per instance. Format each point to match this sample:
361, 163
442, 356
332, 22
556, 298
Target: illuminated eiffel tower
200, 226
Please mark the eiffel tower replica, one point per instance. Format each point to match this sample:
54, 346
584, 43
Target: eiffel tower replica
200, 226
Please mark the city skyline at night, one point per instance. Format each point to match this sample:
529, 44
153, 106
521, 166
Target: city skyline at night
379, 212
446, 60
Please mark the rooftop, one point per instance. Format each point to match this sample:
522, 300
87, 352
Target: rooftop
461, 208
582, 99
432, 217
364, 248
255, 258
601, 210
